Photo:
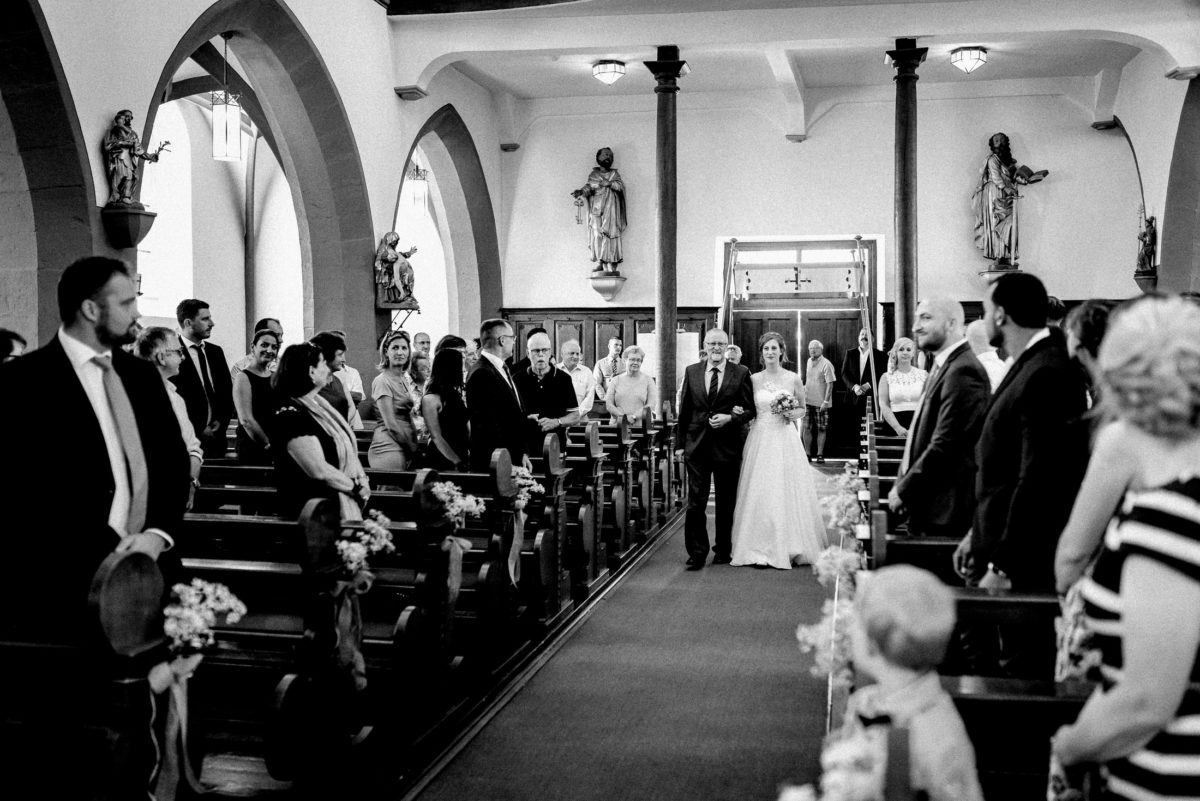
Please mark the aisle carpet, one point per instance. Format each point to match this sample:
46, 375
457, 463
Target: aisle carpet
681, 686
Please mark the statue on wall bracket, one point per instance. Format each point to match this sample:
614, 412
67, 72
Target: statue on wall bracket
603, 197
995, 203
394, 277
122, 151
1146, 274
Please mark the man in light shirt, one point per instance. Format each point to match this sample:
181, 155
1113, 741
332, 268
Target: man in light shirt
996, 367
819, 379
581, 377
608, 367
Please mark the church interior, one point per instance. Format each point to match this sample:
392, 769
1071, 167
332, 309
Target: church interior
800, 166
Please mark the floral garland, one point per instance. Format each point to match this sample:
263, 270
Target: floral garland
526, 486
357, 545
456, 505
845, 510
829, 642
852, 769
839, 563
189, 623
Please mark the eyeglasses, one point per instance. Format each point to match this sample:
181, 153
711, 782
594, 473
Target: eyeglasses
538, 351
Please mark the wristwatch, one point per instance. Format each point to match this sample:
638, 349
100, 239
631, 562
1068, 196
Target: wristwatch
993, 569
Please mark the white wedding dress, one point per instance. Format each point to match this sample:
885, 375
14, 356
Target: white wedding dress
777, 520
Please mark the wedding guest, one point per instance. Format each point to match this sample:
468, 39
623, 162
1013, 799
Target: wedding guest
1085, 326
204, 381
255, 401
333, 348
631, 391
904, 617
451, 341
471, 356
419, 367
1056, 310
12, 345
734, 354
160, 347
1032, 454
900, 387
493, 404
860, 372
352, 382
547, 396
819, 379
985, 352
581, 377
265, 324
315, 453
421, 343
608, 367
523, 363
445, 413
1142, 600
394, 443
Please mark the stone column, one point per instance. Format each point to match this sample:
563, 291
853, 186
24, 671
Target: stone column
667, 69
906, 58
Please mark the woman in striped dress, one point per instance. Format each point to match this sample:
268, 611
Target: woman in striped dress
1142, 600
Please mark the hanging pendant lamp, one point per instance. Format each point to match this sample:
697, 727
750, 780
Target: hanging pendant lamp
226, 116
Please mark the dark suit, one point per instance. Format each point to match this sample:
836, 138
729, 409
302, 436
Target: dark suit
1032, 454
191, 389
713, 453
496, 417
852, 373
938, 489
58, 486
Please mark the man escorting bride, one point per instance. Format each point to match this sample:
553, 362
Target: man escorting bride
777, 518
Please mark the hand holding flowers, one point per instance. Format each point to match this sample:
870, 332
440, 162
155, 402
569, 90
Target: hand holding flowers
787, 406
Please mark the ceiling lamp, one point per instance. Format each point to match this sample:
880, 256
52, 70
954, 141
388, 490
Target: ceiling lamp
226, 116
968, 59
608, 72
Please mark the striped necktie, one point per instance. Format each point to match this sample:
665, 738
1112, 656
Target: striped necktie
131, 444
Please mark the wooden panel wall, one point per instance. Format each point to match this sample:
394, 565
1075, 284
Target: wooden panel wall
594, 327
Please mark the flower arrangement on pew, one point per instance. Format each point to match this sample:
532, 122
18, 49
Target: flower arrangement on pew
357, 545
455, 504
845, 510
828, 640
785, 404
189, 623
526, 486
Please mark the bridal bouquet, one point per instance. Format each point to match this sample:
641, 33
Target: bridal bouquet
456, 505
526, 486
356, 545
784, 404
189, 623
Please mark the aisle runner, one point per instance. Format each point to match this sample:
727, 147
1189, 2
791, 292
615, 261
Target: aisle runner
681, 686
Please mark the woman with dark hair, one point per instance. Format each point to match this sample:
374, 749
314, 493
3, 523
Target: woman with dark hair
254, 400
333, 348
445, 413
1085, 326
394, 443
316, 455
777, 518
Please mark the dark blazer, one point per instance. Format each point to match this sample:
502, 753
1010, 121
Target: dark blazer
852, 372
497, 420
191, 388
700, 440
938, 488
1032, 454
57, 485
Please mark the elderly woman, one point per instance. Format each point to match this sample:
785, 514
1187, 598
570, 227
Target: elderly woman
631, 391
254, 400
394, 442
419, 368
316, 455
1142, 600
901, 386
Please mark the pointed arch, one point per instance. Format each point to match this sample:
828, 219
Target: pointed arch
1180, 262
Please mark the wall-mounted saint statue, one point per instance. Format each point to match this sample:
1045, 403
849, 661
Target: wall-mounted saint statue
995, 203
394, 277
1148, 249
122, 150
603, 196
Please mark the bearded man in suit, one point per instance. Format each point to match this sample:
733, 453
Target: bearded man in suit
204, 381
936, 487
493, 401
716, 401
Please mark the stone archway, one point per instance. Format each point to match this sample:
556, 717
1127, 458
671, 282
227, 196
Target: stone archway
317, 151
1180, 258
58, 177
469, 220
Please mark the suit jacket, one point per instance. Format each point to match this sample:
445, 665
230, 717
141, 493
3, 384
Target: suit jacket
497, 420
191, 387
57, 486
938, 489
700, 440
1032, 454
852, 371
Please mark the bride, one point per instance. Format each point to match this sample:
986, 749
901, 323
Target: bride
777, 519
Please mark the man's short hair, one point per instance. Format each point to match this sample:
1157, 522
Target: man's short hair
1023, 298
150, 340
907, 614
562, 348
449, 342
83, 279
534, 332
1056, 310
7, 340
188, 308
329, 343
488, 326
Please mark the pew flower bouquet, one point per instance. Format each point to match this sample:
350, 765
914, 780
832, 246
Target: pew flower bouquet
526, 486
456, 505
845, 511
189, 622
356, 545
829, 642
784, 404
839, 563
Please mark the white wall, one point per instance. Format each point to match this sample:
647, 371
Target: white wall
18, 245
278, 285
165, 256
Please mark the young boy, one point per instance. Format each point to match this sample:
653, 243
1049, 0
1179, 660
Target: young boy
904, 618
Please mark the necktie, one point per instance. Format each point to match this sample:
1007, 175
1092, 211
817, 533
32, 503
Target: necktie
131, 444
511, 383
209, 394
906, 459
712, 384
